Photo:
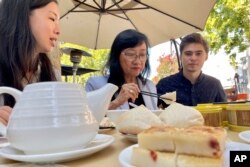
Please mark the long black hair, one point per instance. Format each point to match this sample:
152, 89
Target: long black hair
125, 39
17, 45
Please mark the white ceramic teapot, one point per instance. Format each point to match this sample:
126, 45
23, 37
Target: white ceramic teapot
55, 116
99, 100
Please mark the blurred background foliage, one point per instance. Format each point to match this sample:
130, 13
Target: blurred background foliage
96, 61
168, 65
228, 27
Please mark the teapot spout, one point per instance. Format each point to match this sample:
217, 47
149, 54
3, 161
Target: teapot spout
99, 100
14, 92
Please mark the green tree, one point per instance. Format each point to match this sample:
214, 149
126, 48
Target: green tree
96, 61
228, 27
168, 65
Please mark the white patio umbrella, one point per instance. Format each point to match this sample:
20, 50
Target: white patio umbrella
95, 23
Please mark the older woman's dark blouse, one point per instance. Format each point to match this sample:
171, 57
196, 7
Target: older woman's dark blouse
207, 89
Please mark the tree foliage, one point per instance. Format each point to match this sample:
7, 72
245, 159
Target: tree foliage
96, 61
228, 27
168, 65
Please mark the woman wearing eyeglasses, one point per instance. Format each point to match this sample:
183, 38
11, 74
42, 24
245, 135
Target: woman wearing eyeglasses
127, 67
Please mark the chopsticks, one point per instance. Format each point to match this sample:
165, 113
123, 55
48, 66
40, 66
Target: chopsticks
155, 95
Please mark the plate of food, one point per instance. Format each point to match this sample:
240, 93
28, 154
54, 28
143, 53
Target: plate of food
170, 146
126, 154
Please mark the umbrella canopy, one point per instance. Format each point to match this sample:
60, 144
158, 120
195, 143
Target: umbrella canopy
95, 23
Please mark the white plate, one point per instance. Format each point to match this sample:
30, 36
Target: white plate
100, 142
130, 137
125, 155
245, 135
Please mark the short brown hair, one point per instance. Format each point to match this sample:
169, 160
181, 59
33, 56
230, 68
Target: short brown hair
194, 38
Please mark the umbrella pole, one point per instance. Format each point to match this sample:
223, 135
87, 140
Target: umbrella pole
75, 58
74, 74
177, 54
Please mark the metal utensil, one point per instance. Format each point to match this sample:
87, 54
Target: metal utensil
155, 95
133, 105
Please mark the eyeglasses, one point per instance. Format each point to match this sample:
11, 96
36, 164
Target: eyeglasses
132, 56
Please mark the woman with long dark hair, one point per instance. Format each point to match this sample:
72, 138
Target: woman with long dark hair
29, 30
128, 68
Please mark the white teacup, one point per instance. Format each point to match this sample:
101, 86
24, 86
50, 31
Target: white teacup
40, 128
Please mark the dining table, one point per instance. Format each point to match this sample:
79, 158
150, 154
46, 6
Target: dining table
109, 156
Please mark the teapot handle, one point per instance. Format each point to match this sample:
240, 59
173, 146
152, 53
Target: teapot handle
14, 92
3, 130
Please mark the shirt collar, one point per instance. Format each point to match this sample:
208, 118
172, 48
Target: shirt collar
199, 79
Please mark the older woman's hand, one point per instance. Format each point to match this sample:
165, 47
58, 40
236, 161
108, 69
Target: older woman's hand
128, 91
5, 112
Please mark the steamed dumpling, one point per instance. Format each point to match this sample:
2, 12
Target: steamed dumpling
170, 95
136, 120
180, 116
